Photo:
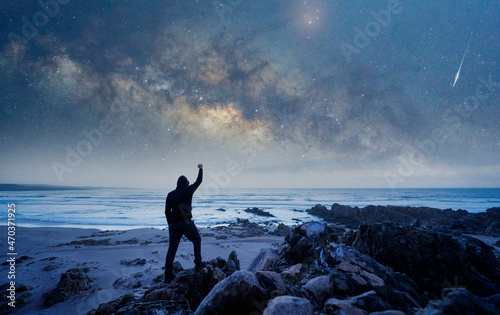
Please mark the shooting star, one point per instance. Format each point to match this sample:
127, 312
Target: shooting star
460, 68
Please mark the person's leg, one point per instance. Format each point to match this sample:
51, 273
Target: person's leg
192, 234
173, 243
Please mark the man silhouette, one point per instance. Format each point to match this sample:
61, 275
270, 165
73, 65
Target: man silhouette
178, 213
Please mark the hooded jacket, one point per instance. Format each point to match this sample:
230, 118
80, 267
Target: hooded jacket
178, 203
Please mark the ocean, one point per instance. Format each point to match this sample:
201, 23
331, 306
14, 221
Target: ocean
126, 208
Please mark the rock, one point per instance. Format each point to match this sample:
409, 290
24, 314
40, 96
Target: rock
434, 260
129, 281
232, 264
264, 261
336, 306
195, 285
494, 299
459, 301
134, 262
233, 256
272, 282
242, 228
287, 305
369, 301
416, 223
72, 282
158, 294
320, 287
21, 294
493, 229
240, 293
304, 238
302, 250
493, 213
293, 273
314, 231
258, 211
230, 267
177, 267
388, 312
218, 262
357, 274
281, 230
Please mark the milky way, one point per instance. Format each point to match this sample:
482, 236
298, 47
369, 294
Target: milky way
264, 93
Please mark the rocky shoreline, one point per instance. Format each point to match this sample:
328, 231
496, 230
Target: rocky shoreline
382, 268
447, 221
372, 260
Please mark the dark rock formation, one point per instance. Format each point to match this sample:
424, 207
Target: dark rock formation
484, 223
181, 296
460, 301
434, 260
330, 270
17, 299
72, 282
258, 211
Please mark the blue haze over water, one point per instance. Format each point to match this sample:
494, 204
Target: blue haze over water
131, 208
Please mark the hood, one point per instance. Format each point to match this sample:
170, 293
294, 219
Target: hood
182, 182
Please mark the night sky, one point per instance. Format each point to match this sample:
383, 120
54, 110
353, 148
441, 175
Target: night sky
264, 93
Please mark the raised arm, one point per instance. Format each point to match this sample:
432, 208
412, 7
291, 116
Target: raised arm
199, 179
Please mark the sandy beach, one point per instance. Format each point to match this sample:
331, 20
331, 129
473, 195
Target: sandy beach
116, 261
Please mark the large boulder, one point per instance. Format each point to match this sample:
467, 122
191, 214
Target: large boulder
434, 260
240, 293
319, 288
287, 305
265, 260
314, 231
304, 238
72, 282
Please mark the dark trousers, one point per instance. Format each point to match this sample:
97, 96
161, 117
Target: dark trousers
175, 233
